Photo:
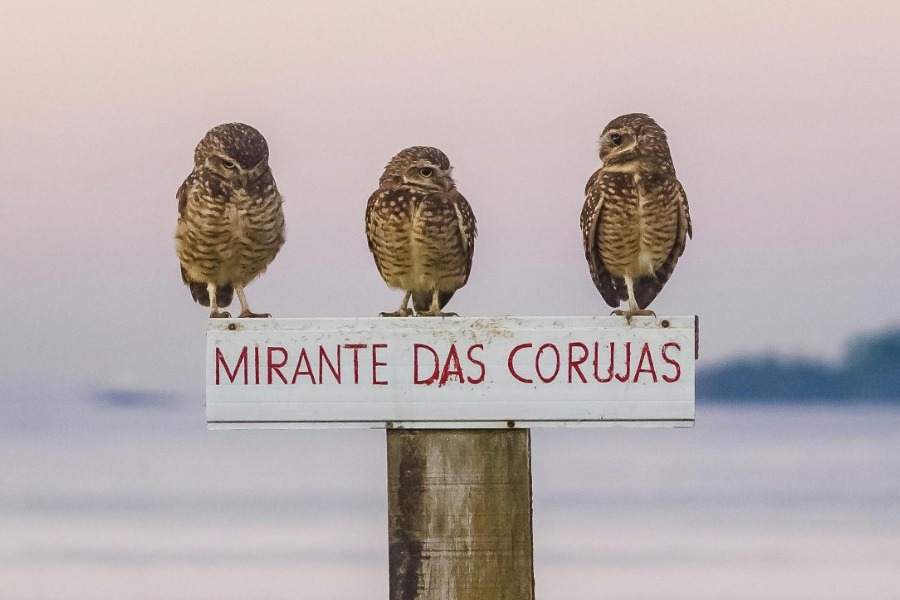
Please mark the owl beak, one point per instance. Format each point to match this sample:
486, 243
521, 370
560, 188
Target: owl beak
446, 180
604, 149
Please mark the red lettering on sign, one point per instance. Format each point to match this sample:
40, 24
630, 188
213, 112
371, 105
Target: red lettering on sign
475, 361
356, 348
512, 368
323, 360
242, 360
452, 368
575, 365
303, 368
609, 371
645, 354
436, 368
376, 364
612, 350
672, 362
275, 367
556, 363
463, 364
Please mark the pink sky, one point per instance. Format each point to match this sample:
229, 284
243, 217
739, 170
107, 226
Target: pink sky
783, 121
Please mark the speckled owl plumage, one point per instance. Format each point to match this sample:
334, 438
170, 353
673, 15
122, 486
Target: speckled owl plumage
635, 221
421, 231
230, 223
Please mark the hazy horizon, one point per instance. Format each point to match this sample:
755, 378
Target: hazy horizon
778, 502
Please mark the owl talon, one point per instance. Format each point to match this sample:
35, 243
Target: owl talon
246, 314
220, 314
640, 312
397, 313
428, 313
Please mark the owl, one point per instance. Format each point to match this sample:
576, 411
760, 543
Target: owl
230, 219
635, 221
421, 231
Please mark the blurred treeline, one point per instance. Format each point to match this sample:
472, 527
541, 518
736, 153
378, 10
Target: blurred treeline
870, 370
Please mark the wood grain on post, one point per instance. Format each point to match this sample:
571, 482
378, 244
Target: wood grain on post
459, 508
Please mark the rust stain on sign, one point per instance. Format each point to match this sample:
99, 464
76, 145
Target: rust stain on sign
487, 330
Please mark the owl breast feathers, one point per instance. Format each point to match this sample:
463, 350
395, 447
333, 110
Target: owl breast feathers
231, 223
635, 220
421, 230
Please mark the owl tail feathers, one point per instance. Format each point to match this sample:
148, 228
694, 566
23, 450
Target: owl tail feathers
646, 289
224, 294
612, 289
200, 294
422, 301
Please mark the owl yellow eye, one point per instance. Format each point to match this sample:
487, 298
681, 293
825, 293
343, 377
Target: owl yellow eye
426, 172
228, 164
616, 139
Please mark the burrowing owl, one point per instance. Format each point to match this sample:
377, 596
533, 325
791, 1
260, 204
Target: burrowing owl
421, 231
635, 219
230, 223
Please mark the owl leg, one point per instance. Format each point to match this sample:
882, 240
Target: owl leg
435, 309
215, 313
403, 311
633, 309
245, 308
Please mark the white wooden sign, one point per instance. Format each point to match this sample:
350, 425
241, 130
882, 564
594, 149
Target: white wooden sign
450, 372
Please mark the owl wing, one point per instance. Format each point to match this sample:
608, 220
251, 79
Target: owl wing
199, 291
465, 222
686, 213
468, 228
182, 193
647, 288
182, 196
611, 288
371, 225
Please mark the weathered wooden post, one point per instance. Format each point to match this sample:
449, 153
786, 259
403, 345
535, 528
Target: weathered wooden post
459, 510
456, 396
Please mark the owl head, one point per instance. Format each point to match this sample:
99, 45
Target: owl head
421, 167
234, 152
635, 136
